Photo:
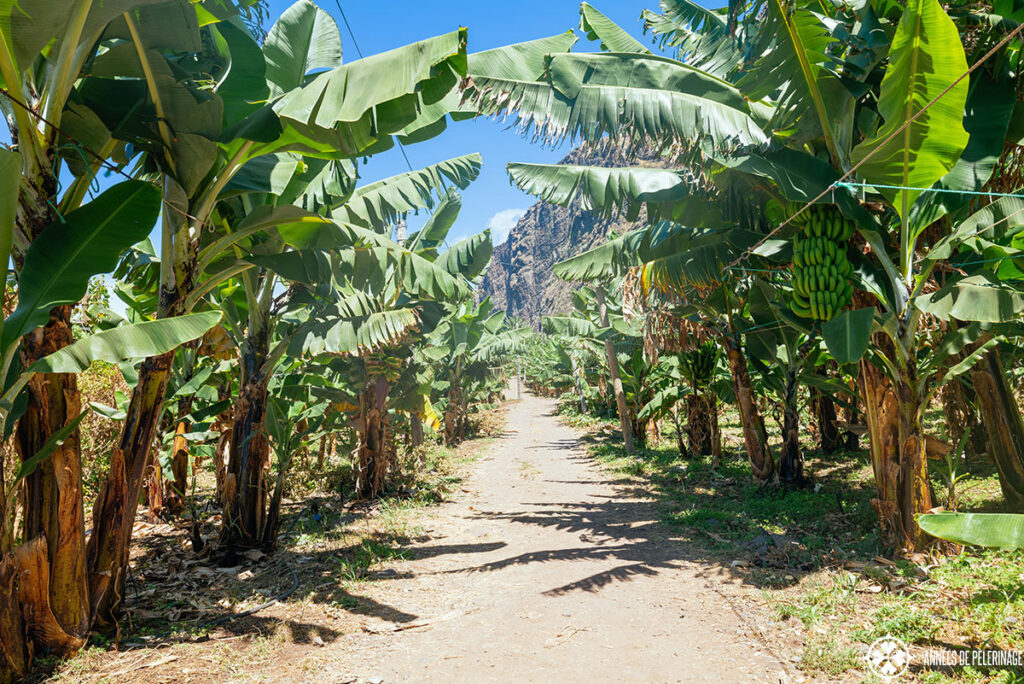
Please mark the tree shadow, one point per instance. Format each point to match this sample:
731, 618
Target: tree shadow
174, 594
665, 512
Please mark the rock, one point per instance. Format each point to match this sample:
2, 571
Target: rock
520, 279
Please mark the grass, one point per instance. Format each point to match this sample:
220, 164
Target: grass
830, 657
828, 577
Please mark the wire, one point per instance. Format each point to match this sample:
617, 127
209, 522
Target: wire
359, 52
102, 160
349, 27
998, 46
978, 193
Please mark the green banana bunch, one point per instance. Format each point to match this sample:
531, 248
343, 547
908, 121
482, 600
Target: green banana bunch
821, 270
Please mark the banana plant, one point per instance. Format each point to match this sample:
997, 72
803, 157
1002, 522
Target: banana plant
690, 378
259, 102
463, 350
576, 340
786, 357
820, 83
54, 273
303, 258
688, 263
38, 101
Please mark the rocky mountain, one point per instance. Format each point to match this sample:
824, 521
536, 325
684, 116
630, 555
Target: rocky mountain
520, 279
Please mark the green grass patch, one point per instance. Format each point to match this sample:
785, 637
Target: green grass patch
816, 554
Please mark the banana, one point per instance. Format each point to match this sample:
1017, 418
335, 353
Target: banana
820, 283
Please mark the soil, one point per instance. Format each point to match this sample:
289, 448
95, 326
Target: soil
542, 569
550, 572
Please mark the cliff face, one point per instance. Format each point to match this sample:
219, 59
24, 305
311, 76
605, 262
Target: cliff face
520, 279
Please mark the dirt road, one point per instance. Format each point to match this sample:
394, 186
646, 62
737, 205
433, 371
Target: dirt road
547, 571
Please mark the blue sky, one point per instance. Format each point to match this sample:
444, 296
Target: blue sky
383, 26
491, 200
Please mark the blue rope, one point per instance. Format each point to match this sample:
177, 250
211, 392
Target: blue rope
976, 193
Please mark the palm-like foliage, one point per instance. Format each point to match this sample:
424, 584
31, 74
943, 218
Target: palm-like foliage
816, 85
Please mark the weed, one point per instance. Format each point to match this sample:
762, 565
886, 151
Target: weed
830, 657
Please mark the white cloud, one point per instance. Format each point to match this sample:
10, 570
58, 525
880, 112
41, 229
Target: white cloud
502, 223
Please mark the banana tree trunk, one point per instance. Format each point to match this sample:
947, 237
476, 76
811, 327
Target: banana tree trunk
754, 436
613, 371
176, 489
791, 458
577, 380
455, 412
915, 492
54, 508
117, 501
273, 523
153, 483
14, 649
881, 415
680, 433
1002, 419
700, 424
34, 585
451, 415
897, 445
321, 450
415, 430
221, 457
245, 487
830, 440
853, 416
374, 455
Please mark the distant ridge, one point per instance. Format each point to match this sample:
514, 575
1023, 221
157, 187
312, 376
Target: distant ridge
520, 279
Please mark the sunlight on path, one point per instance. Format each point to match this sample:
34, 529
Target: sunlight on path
547, 570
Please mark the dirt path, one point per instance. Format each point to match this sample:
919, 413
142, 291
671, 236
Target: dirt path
546, 571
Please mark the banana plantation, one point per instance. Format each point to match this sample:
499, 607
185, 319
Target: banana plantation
216, 325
